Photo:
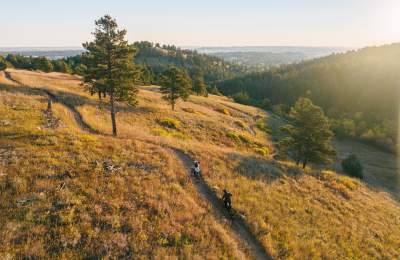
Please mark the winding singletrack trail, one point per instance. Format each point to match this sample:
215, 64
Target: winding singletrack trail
77, 116
238, 226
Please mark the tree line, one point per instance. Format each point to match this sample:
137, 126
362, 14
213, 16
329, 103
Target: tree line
151, 59
358, 90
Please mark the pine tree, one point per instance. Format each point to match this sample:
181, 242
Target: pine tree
175, 84
43, 64
61, 66
3, 63
309, 134
109, 66
199, 86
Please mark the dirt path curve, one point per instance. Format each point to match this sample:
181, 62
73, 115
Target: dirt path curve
238, 225
77, 116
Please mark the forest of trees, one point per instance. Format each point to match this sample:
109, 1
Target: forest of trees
358, 90
159, 58
152, 60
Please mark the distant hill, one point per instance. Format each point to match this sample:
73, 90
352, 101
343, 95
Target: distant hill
49, 52
359, 89
264, 57
260, 60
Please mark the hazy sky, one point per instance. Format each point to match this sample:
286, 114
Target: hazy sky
205, 22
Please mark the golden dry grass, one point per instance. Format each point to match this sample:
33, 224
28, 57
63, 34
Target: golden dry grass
296, 214
149, 208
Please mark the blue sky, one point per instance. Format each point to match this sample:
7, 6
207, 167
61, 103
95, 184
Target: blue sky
353, 23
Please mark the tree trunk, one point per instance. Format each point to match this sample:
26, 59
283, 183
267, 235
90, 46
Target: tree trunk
99, 95
304, 163
49, 105
173, 106
112, 109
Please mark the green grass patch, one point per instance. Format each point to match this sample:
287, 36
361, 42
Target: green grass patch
159, 132
234, 136
170, 123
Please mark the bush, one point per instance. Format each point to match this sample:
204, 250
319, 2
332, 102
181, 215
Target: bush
159, 132
260, 124
352, 166
169, 123
245, 139
233, 136
242, 98
264, 151
223, 111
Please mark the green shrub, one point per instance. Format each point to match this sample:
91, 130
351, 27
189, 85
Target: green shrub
352, 166
240, 139
233, 136
223, 111
245, 139
260, 124
241, 97
169, 123
264, 151
159, 132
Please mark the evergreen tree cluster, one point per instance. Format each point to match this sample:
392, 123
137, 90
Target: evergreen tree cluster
35, 63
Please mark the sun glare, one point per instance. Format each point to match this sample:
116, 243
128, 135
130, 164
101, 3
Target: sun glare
389, 21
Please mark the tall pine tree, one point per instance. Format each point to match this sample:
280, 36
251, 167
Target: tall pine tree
109, 66
309, 134
175, 84
199, 86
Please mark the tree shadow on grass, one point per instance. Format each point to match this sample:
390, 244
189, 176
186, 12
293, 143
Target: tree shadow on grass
264, 169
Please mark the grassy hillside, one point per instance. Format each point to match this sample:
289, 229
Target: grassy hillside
359, 90
58, 199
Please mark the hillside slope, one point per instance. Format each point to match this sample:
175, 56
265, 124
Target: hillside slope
62, 200
358, 89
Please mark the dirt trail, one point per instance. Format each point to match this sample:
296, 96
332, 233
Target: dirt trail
77, 116
238, 225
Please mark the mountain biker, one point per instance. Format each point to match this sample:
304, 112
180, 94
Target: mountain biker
226, 198
196, 169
